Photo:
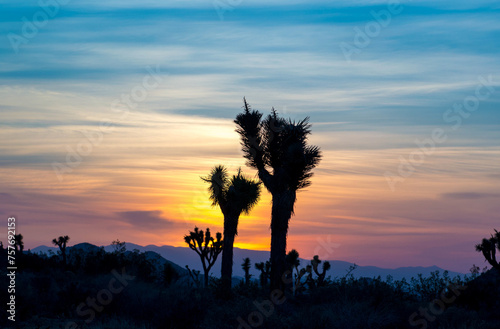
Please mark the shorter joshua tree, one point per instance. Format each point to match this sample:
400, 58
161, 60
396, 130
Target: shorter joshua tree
61, 243
265, 272
246, 267
321, 275
234, 196
206, 247
489, 247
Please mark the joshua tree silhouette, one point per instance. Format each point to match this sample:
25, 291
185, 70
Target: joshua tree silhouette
293, 262
119, 247
321, 275
265, 272
281, 146
233, 196
206, 247
18, 243
61, 243
303, 271
488, 247
292, 259
246, 267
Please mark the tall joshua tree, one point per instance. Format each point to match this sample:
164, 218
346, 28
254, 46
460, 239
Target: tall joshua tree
488, 247
279, 150
61, 243
234, 196
206, 247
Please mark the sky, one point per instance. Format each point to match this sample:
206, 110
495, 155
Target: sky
110, 111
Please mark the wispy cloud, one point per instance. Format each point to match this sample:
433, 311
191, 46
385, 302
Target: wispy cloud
146, 220
470, 195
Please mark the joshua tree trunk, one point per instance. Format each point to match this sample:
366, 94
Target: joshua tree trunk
206, 279
281, 212
227, 253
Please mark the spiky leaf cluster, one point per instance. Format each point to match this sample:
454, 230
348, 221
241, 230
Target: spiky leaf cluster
278, 149
234, 195
61, 242
205, 245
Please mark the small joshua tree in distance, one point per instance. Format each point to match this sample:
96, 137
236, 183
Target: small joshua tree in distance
18, 243
206, 247
293, 262
321, 275
246, 267
119, 247
265, 272
61, 243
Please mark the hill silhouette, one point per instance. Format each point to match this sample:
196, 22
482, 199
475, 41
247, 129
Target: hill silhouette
179, 257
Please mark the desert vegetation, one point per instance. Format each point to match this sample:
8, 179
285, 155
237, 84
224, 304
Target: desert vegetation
147, 294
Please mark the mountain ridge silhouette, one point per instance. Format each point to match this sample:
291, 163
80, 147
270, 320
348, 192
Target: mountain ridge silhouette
182, 256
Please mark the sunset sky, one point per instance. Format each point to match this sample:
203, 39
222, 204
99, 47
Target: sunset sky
145, 94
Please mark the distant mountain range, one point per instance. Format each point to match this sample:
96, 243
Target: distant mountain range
182, 256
